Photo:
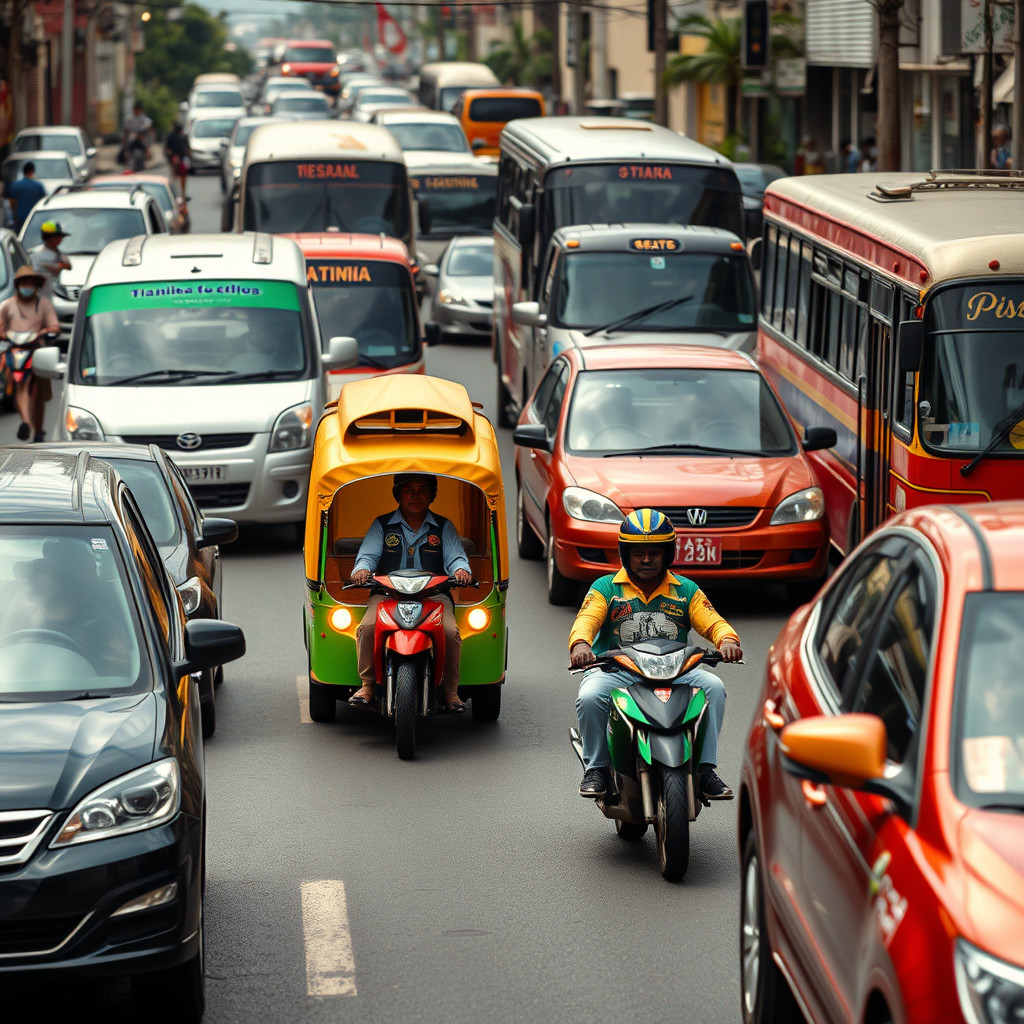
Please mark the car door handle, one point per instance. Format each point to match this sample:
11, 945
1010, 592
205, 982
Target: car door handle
772, 718
814, 795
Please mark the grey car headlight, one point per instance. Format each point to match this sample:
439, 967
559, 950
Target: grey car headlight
803, 507
991, 991
292, 429
81, 425
144, 798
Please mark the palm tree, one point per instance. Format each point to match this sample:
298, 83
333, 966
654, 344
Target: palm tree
522, 60
720, 62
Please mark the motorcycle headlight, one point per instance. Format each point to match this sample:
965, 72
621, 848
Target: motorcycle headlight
292, 428
142, 799
590, 506
408, 613
80, 425
658, 666
991, 991
803, 507
191, 594
410, 584
450, 298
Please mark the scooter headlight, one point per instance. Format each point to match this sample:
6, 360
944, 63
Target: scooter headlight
658, 666
408, 613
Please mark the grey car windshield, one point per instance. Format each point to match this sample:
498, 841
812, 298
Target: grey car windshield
444, 138
160, 192
718, 291
147, 484
70, 144
474, 259
212, 128
46, 167
65, 621
988, 740
296, 101
89, 228
219, 98
613, 410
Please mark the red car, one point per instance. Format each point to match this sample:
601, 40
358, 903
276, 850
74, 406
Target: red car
315, 60
881, 803
695, 432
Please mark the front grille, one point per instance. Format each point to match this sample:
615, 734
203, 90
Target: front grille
719, 517
219, 495
20, 938
169, 442
741, 559
20, 833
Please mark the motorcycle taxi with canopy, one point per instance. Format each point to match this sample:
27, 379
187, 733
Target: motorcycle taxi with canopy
378, 428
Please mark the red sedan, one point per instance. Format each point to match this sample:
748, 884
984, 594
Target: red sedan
695, 432
881, 805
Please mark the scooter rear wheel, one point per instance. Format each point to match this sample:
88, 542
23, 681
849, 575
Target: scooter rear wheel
407, 687
672, 825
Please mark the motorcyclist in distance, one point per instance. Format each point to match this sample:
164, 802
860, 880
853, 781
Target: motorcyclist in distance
644, 600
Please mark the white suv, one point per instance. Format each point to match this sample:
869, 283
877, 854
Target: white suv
92, 218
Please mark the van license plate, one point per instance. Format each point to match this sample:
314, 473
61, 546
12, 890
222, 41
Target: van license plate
698, 551
203, 474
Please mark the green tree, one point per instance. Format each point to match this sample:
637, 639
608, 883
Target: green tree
177, 50
523, 60
720, 63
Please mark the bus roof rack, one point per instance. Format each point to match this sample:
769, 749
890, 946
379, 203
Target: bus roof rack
958, 178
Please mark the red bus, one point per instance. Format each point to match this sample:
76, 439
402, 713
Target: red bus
894, 313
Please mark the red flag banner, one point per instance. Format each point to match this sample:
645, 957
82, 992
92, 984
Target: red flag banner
390, 33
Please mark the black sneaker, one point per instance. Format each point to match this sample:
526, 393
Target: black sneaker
711, 786
23, 431
595, 783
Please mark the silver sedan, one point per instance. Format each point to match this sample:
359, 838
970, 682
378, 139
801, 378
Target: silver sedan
464, 294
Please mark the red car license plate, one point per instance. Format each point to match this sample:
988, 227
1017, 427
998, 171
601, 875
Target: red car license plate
698, 551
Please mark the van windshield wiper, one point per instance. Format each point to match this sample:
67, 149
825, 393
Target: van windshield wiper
168, 376
87, 695
655, 449
235, 378
640, 314
1003, 428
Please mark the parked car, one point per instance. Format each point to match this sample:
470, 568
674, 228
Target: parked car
92, 218
418, 129
53, 169
208, 135
66, 138
169, 199
697, 433
187, 540
463, 299
102, 867
298, 106
881, 804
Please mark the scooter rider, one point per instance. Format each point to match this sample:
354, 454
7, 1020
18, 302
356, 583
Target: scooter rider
642, 600
411, 537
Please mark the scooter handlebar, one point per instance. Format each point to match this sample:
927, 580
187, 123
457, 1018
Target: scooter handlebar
607, 661
370, 583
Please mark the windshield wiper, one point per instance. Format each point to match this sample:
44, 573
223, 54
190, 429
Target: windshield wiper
1003, 428
641, 314
87, 695
656, 448
173, 375
234, 378
377, 364
312, 218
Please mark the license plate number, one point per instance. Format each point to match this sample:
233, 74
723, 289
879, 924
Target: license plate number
698, 551
203, 474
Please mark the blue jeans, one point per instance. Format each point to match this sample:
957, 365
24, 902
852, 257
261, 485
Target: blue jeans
594, 698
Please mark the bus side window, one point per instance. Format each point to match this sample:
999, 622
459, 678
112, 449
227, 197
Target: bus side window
789, 326
779, 300
506, 185
803, 304
771, 253
549, 277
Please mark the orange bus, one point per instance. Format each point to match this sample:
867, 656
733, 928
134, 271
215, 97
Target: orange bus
892, 313
363, 288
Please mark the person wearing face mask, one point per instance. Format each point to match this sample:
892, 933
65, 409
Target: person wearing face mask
28, 311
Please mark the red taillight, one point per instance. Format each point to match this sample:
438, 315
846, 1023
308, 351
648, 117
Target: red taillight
663, 693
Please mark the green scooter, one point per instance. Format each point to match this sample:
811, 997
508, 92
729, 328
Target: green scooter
656, 729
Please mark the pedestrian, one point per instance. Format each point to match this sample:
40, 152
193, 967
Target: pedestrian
813, 159
25, 192
179, 155
850, 157
137, 129
47, 257
868, 154
1000, 157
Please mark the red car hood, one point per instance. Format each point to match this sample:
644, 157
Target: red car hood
304, 67
660, 480
992, 847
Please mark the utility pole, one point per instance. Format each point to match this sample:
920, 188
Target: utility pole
1017, 125
599, 52
660, 31
67, 60
985, 100
579, 71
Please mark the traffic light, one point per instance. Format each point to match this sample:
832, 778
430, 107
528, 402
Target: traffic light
756, 22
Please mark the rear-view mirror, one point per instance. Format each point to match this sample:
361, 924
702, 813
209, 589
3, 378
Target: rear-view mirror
816, 438
843, 750
533, 435
90, 152
342, 352
46, 362
210, 642
431, 270
479, 144
910, 344
528, 314
217, 531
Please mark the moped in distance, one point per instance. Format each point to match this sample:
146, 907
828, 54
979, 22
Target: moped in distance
656, 728
16, 350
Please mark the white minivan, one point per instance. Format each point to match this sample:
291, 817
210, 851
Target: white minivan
208, 346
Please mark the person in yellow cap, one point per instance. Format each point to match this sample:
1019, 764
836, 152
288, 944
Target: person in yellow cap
642, 600
47, 257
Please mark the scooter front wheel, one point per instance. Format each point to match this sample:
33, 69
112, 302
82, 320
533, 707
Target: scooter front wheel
672, 824
407, 688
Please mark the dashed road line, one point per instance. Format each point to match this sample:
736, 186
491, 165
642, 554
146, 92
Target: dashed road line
330, 965
302, 683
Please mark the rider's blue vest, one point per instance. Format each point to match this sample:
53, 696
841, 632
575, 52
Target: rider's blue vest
396, 555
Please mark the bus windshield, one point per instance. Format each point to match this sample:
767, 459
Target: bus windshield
371, 301
623, 192
460, 204
972, 376
714, 292
364, 196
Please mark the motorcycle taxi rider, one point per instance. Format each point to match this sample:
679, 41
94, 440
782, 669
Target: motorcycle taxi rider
411, 537
641, 600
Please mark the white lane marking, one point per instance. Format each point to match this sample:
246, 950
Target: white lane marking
302, 683
330, 965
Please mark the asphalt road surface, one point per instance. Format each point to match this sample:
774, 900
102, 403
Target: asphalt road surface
471, 885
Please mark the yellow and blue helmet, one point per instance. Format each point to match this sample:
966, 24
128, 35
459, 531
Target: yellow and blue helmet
647, 526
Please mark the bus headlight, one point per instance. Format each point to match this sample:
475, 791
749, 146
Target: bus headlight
803, 507
292, 428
